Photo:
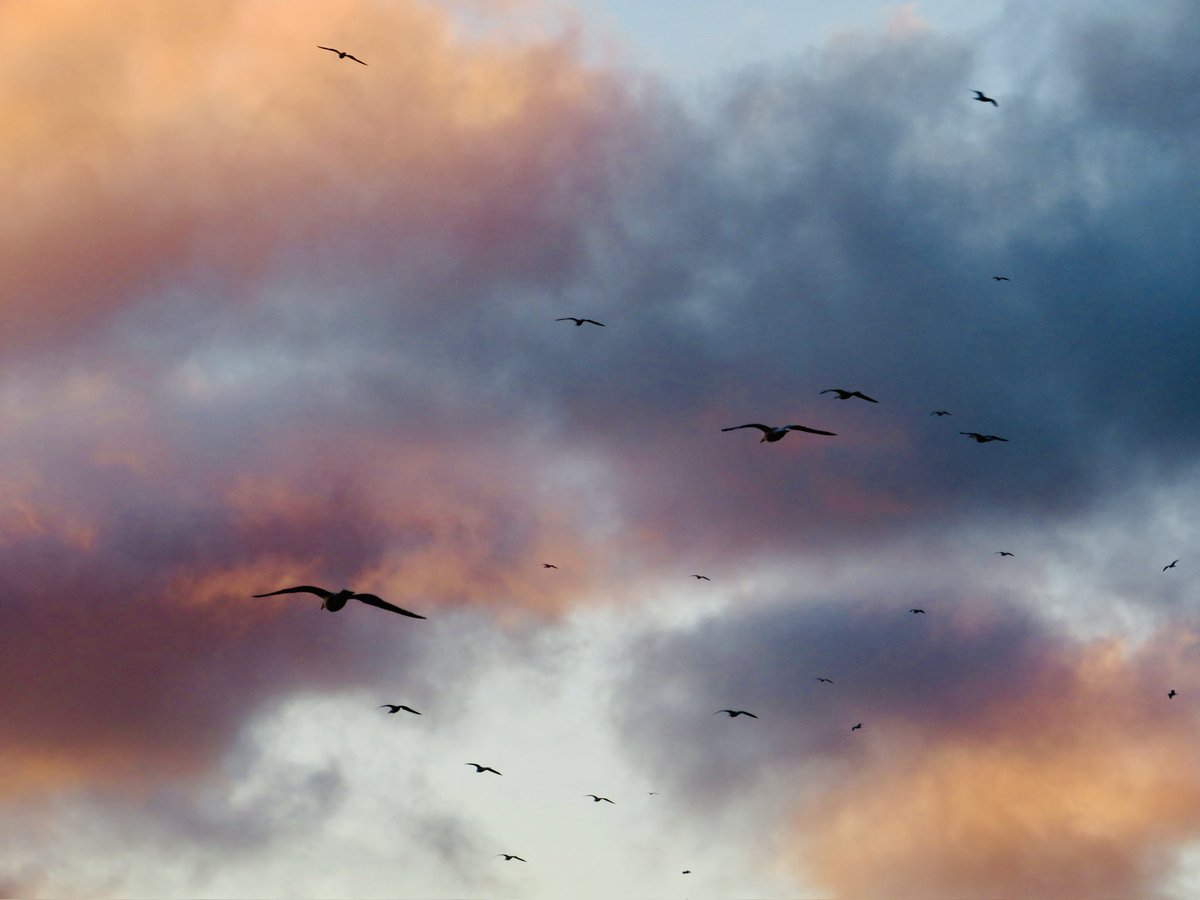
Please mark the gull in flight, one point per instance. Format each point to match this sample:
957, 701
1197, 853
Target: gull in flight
982, 438
1001, 278
826, 680
940, 412
510, 856
481, 769
334, 601
856, 727
579, 322
921, 611
702, 578
979, 95
549, 566
772, 433
342, 54
1170, 565
596, 799
1171, 694
846, 395
1004, 553
734, 713
394, 708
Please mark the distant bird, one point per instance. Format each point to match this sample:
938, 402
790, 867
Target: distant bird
856, 727
982, 438
702, 578
940, 412
1170, 565
826, 680
921, 611
686, 872
734, 713
342, 54
772, 433
846, 395
579, 322
333, 602
549, 566
596, 799
982, 99
394, 708
1171, 694
480, 769
652, 793
1004, 553
1001, 278
510, 856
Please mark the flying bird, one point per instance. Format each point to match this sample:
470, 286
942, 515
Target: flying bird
686, 872
921, 611
510, 856
1171, 694
734, 713
596, 799
979, 95
1004, 553
579, 322
826, 680
394, 708
846, 395
702, 578
1170, 565
549, 566
772, 433
1001, 278
342, 54
334, 601
982, 438
856, 727
480, 769
940, 412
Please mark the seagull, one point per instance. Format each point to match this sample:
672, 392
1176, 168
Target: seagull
652, 793
1170, 566
1171, 694
1001, 278
1004, 553
921, 611
826, 680
686, 872
579, 322
510, 856
549, 566
342, 54
394, 708
734, 713
940, 412
596, 799
772, 433
982, 99
702, 578
481, 769
982, 438
333, 602
856, 727
846, 395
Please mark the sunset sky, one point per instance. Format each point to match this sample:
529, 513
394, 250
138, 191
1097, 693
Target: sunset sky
273, 318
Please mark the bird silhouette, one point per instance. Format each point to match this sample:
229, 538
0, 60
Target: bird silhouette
982, 438
940, 412
342, 54
549, 566
826, 680
982, 99
1170, 565
596, 799
1001, 278
772, 433
334, 601
846, 395
702, 578
480, 769
921, 611
394, 708
686, 872
1004, 553
579, 322
856, 727
510, 856
734, 713
1171, 694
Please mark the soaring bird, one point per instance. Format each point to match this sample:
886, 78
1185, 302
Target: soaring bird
596, 799
686, 872
1004, 553
549, 566
982, 438
510, 856
772, 433
1170, 565
982, 99
702, 578
1001, 278
342, 54
394, 708
1171, 694
333, 602
856, 727
579, 322
914, 611
734, 713
940, 412
846, 395
824, 679
480, 769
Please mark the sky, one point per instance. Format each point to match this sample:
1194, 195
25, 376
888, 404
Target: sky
274, 318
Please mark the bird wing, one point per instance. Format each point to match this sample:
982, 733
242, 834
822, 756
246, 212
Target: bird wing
568, 319
372, 600
832, 391
765, 429
330, 49
355, 58
809, 430
301, 589
594, 322
410, 709
750, 714
864, 396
